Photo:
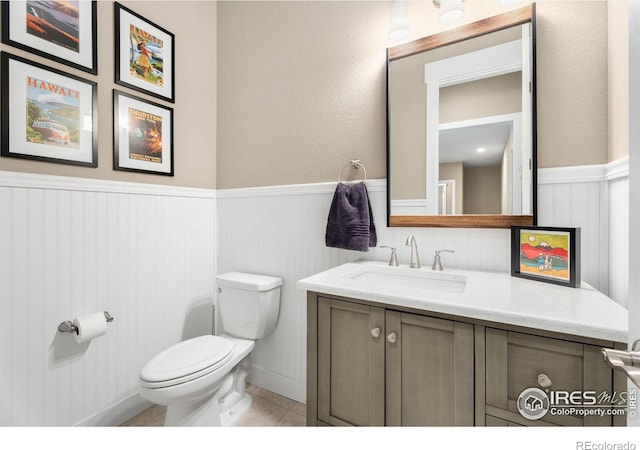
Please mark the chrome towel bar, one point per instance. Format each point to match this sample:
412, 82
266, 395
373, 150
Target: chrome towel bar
356, 164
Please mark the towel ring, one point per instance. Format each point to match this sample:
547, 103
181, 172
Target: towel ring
356, 164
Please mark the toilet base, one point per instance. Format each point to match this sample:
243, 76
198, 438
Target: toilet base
201, 415
223, 408
231, 416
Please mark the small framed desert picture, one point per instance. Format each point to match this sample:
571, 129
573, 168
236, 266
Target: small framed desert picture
548, 254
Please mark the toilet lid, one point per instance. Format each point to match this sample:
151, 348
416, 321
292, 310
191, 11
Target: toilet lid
186, 358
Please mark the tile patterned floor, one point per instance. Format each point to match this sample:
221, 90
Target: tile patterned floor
267, 410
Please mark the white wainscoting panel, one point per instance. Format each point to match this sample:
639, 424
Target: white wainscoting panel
596, 199
70, 247
279, 230
619, 240
148, 255
583, 205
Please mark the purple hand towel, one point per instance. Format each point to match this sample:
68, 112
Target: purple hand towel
350, 224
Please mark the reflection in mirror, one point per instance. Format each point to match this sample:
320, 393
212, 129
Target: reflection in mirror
461, 130
483, 156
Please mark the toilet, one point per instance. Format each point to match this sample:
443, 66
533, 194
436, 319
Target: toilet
202, 380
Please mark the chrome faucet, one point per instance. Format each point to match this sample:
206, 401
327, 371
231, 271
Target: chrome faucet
393, 260
415, 259
437, 264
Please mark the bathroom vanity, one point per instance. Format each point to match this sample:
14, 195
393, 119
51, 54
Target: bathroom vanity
399, 346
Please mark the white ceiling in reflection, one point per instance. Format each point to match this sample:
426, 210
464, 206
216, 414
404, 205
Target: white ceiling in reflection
460, 144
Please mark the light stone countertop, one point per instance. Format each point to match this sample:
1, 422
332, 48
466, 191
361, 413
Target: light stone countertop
487, 296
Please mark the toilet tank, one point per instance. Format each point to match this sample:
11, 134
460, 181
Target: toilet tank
248, 304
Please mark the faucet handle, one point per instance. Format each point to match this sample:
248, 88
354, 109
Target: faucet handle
437, 263
393, 261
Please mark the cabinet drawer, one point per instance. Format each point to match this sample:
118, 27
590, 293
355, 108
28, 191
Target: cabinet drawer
514, 361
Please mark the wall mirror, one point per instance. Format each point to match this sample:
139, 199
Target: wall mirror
461, 126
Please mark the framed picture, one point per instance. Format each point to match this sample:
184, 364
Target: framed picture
144, 54
65, 32
142, 135
47, 115
547, 254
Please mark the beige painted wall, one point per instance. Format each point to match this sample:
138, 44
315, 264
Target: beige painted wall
301, 90
302, 86
481, 98
572, 83
618, 48
195, 91
482, 190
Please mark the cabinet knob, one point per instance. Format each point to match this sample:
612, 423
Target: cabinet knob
544, 381
392, 338
375, 332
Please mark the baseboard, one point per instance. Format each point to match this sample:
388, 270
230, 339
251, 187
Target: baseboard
280, 384
120, 412
117, 413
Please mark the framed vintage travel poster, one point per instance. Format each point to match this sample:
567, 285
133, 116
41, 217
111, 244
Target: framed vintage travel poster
547, 254
47, 115
144, 54
63, 31
142, 135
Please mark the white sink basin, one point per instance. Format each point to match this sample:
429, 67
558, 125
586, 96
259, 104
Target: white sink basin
379, 276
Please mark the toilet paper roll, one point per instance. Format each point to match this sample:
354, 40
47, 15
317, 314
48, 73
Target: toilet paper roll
90, 326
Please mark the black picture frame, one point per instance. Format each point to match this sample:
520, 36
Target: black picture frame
47, 114
142, 135
144, 55
34, 26
548, 254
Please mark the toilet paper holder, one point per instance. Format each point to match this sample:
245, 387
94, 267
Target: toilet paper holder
68, 327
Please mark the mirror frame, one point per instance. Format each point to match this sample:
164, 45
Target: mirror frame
495, 23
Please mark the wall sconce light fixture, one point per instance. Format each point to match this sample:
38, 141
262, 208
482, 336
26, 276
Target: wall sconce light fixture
399, 26
450, 11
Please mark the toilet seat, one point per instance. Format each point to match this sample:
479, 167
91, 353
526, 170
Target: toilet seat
186, 361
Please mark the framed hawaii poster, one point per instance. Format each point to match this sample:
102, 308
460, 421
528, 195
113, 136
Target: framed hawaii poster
548, 254
63, 31
144, 55
47, 115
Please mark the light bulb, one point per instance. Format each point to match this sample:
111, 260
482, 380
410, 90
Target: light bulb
399, 26
450, 11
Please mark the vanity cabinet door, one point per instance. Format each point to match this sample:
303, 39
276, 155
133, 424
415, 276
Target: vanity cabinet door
429, 370
350, 363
